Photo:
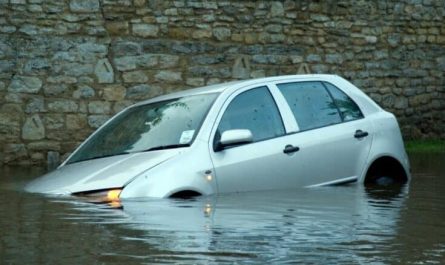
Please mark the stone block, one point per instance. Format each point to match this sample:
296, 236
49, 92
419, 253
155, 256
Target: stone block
241, 68
84, 6
313, 58
18, 2
168, 61
53, 121
401, 103
37, 157
99, 107
276, 9
35, 104
274, 28
222, 34
9, 126
35, 8
195, 81
44, 146
25, 84
168, 76
296, 59
114, 93
33, 128
127, 63
62, 79
134, 77
258, 74
145, 30
95, 121
104, 71
14, 152
120, 105
334, 58
77, 69
6, 66
138, 92
117, 27
55, 89
371, 39
126, 48
53, 159
76, 121
208, 59
29, 29
201, 34
36, 64
84, 91
63, 105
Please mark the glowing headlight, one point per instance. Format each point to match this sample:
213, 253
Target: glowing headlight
109, 195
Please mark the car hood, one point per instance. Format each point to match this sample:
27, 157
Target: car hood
98, 174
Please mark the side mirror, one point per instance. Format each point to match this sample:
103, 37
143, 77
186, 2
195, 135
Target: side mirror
234, 137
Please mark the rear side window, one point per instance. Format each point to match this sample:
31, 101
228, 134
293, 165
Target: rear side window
255, 110
311, 104
347, 107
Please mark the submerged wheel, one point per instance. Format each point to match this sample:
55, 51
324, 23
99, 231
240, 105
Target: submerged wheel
185, 194
386, 171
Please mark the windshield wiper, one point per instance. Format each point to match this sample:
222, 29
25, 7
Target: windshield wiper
162, 147
97, 157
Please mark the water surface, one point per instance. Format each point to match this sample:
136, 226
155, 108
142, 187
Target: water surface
331, 225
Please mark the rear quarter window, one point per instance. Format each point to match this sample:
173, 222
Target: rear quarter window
349, 110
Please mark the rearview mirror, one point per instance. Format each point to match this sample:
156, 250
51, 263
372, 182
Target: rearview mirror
235, 137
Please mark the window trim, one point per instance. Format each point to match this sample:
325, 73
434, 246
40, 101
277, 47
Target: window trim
277, 95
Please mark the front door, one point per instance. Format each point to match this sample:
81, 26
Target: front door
258, 165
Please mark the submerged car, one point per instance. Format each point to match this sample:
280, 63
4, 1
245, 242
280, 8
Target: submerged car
261, 134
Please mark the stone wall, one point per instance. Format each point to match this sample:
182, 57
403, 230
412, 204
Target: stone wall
66, 66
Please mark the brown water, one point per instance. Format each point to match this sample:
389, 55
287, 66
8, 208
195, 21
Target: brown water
334, 225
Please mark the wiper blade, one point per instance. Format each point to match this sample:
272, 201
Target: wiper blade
97, 157
162, 147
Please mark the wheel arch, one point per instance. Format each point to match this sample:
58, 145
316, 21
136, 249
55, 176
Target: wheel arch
184, 193
385, 166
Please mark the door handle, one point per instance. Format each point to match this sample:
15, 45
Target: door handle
360, 134
290, 149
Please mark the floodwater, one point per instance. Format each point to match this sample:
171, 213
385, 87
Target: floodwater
331, 225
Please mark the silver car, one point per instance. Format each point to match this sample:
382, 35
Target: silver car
262, 134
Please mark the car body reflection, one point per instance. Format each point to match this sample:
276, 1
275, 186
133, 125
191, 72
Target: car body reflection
293, 222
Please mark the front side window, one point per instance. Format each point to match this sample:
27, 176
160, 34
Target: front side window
159, 125
348, 109
255, 110
311, 104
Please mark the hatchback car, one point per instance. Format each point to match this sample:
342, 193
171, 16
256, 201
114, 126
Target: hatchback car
261, 134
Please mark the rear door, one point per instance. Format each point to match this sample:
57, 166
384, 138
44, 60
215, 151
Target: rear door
333, 136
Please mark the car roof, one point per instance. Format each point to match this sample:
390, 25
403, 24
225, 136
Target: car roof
234, 85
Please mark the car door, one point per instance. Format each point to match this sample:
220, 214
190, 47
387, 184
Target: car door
258, 165
334, 138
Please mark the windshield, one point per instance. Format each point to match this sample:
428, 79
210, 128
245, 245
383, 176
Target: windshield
159, 125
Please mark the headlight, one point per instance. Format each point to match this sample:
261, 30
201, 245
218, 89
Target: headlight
108, 195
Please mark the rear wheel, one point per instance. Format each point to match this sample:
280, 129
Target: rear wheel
386, 171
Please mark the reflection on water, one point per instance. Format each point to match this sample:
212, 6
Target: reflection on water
343, 225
